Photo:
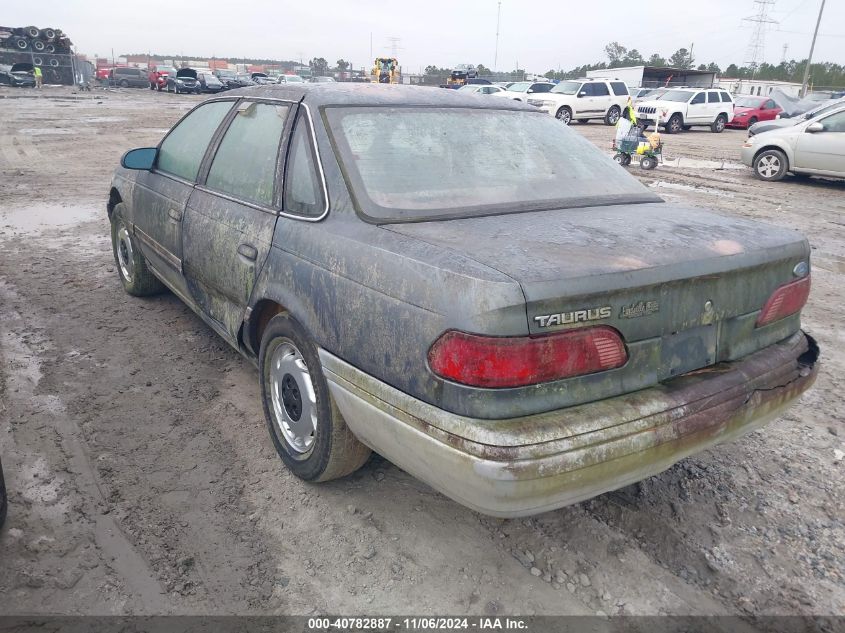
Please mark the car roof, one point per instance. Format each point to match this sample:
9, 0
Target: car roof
354, 93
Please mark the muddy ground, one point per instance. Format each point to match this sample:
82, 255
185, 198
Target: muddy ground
142, 478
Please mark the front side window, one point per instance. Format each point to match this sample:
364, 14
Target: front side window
835, 122
599, 90
245, 163
406, 163
182, 150
303, 192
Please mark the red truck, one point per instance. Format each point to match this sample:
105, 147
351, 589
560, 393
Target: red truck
158, 77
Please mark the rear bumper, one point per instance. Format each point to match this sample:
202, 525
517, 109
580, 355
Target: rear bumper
533, 464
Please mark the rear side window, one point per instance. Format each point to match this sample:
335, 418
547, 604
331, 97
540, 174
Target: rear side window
699, 98
245, 163
726, 98
303, 193
712, 97
619, 88
182, 151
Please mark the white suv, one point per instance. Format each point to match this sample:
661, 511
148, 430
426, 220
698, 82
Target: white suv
585, 99
679, 109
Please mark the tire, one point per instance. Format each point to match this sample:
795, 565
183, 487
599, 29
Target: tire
675, 124
123, 83
564, 115
51, 48
33, 31
49, 34
54, 63
583, 121
770, 165
305, 424
37, 61
718, 126
751, 122
38, 46
4, 500
612, 115
20, 43
648, 163
136, 277
622, 159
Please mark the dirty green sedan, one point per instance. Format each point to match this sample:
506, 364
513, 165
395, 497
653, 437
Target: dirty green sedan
465, 286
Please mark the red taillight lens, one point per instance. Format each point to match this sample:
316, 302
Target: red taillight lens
485, 361
786, 300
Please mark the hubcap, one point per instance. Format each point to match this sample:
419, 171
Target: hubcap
768, 166
293, 398
564, 116
124, 254
613, 115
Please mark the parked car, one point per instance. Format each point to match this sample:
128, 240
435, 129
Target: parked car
228, 79
481, 89
158, 77
813, 148
520, 346
185, 80
750, 110
682, 108
321, 80
17, 76
290, 79
4, 500
208, 82
129, 78
584, 99
781, 121
464, 71
521, 90
260, 79
244, 80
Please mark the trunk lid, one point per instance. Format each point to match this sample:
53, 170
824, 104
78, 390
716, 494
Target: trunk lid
693, 279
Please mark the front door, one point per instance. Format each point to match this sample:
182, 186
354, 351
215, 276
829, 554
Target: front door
160, 195
697, 109
823, 151
231, 215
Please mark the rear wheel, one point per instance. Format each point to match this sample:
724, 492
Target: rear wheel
612, 115
136, 277
648, 162
123, 83
564, 115
770, 165
719, 124
305, 424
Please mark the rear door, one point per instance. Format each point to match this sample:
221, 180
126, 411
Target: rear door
823, 151
231, 215
714, 104
160, 195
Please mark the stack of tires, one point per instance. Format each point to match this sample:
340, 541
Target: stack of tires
47, 41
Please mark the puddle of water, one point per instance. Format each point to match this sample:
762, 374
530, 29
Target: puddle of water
57, 131
662, 184
37, 218
104, 119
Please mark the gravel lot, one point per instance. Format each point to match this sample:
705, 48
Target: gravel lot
142, 479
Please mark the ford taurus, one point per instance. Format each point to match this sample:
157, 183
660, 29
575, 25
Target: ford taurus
464, 286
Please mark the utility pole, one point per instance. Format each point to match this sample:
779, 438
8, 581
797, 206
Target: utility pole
690, 53
371, 45
496, 53
757, 44
783, 57
810, 58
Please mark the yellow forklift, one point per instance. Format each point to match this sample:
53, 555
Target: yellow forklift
385, 71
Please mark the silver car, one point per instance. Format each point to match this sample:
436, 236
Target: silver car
815, 147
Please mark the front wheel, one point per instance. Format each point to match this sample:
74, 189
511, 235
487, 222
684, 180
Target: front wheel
771, 165
305, 424
648, 162
719, 124
675, 124
136, 277
612, 115
564, 115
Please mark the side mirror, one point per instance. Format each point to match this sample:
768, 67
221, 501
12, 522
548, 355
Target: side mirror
583, 93
530, 90
141, 158
815, 127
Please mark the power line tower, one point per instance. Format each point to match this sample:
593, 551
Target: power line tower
783, 57
393, 43
757, 44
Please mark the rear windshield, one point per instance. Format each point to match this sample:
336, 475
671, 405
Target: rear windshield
416, 163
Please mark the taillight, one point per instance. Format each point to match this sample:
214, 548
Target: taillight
486, 361
787, 299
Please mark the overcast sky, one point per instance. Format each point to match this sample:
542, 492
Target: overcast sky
539, 34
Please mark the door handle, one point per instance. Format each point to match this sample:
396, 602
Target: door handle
248, 251
174, 215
